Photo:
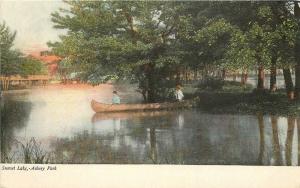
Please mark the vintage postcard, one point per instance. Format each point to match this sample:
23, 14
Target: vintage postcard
149, 91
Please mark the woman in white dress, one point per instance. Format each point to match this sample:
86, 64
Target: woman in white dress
178, 93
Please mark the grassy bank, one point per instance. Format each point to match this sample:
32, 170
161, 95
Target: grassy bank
232, 98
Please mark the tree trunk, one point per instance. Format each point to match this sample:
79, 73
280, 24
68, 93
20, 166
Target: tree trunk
288, 83
151, 93
260, 78
147, 83
234, 77
195, 74
297, 80
186, 75
297, 54
273, 86
150, 84
223, 74
244, 78
144, 94
177, 76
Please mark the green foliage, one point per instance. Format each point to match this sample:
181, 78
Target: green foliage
211, 84
212, 40
12, 61
9, 59
149, 42
125, 40
220, 85
6, 38
31, 66
271, 34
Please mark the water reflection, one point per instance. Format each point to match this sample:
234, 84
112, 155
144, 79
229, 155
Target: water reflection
262, 137
73, 134
127, 115
276, 146
153, 150
289, 140
284, 150
14, 116
298, 126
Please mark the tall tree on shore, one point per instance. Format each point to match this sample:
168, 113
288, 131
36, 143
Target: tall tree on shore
133, 40
264, 39
9, 58
151, 42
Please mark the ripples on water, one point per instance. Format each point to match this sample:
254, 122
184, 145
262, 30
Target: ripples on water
60, 125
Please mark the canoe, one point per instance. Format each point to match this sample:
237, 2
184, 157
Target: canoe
101, 107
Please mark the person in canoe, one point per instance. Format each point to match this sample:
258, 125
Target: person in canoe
178, 93
116, 98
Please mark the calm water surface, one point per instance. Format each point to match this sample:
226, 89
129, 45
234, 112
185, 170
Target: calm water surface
58, 126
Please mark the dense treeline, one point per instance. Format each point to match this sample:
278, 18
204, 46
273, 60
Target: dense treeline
152, 42
12, 61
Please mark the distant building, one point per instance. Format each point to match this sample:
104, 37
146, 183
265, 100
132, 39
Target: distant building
46, 53
50, 60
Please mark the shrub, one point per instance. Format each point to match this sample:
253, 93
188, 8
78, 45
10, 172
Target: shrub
211, 83
218, 84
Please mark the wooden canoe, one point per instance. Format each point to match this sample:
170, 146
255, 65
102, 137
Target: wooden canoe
101, 107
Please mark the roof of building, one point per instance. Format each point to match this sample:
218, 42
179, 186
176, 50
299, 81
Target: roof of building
47, 58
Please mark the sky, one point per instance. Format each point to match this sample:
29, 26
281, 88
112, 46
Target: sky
32, 21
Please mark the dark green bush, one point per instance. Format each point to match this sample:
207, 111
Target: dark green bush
218, 84
211, 83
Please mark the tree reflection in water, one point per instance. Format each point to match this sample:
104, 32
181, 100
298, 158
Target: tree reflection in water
262, 137
153, 152
298, 127
160, 143
14, 115
276, 145
168, 150
289, 140
125, 143
160, 137
89, 148
277, 149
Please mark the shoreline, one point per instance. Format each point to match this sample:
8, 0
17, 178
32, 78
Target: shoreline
215, 102
58, 86
247, 104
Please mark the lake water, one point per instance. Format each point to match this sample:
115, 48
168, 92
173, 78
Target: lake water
57, 125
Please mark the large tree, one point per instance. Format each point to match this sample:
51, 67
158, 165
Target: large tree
262, 38
151, 42
134, 40
9, 58
12, 61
